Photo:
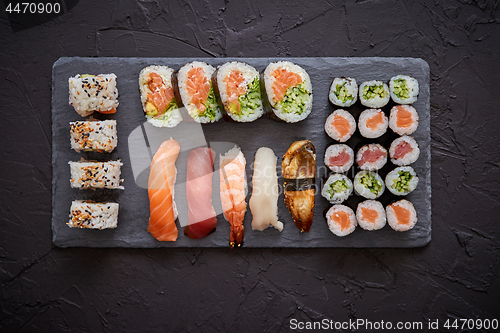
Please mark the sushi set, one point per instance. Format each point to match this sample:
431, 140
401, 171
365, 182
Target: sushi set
145, 144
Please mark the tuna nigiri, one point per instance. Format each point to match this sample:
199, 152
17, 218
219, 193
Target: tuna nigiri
201, 214
161, 192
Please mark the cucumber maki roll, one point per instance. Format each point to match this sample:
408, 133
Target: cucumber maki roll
404, 89
403, 119
368, 184
337, 188
374, 94
343, 91
402, 180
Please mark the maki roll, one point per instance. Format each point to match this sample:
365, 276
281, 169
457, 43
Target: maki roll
289, 91
368, 184
238, 85
404, 89
343, 91
374, 94
97, 136
371, 215
404, 150
371, 157
402, 180
89, 93
91, 174
341, 220
403, 119
157, 96
196, 92
337, 188
401, 215
339, 158
340, 125
372, 123
87, 214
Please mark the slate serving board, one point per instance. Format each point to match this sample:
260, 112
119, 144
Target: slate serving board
134, 203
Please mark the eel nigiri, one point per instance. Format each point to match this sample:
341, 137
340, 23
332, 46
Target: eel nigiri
201, 214
233, 187
161, 192
299, 168
264, 200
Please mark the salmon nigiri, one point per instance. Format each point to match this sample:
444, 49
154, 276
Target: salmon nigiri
161, 192
233, 187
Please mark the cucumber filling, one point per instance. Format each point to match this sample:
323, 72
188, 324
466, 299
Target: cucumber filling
374, 91
295, 99
401, 89
402, 183
339, 186
211, 106
250, 101
342, 93
371, 183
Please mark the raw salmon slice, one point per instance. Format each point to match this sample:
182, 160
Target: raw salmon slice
341, 125
284, 79
371, 155
402, 149
370, 215
198, 88
160, 95
403, 117
235, 87
402, 214
341, 159
374, 122
342, 219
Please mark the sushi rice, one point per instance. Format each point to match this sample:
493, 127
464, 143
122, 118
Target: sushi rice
371, 215
374, 94
368, 184
92, 174
93, 215
98, 135
343, 91
402, 180
341, 220
404, 89
89, 93
337, 188
401, 215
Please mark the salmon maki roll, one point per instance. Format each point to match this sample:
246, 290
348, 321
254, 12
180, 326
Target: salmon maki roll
401, 215
341, 220
404, 150
403, 119
372, 123
340, 125
371, 215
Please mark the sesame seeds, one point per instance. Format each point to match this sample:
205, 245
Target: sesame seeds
93, 136
86, 175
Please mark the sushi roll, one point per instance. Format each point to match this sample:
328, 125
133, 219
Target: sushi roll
371, 157
404, 150
404, 89
403, 119
402, 180
89, 93
289, 91
337, 188
341, 220
339, 157
157, 96
401, 215
372, 123
371, 215
238, 85
368, 184
91, 174
97, 136
93, 215
374, 94
340, 125
196, 92
343, 91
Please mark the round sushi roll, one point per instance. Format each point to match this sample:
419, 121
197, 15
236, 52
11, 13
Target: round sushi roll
404, 150
368, 184
402, 180
371, 157
340, 125
157, 96
371, 215
341, 220
89, 93
197, 93
289, 91
372, 123
337, 188
404, 89
238, 86
343, 91
401, 215
339, 158
374, 94
403, 119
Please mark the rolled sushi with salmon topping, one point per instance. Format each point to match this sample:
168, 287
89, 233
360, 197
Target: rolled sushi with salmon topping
371, 157
402, 180
403, 119
372, 123
371, 215
404, 150
289, 91
337, 188
404, 89
368, 184
196, 92
238, 85
401, 215
374, 94
89, 93
343, 91
340, 125
339, 157
157, 96
341, 220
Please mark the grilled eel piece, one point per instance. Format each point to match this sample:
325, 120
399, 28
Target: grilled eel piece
299, 168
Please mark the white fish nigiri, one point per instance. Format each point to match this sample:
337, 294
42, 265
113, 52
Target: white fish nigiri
264, 200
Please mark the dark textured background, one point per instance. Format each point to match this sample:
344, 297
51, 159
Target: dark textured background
44, 288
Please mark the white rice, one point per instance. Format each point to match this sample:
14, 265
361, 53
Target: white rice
93, 215
335, 150
93, 93
378, 163
409, 157
392, 178
411, 86
334, 227
393, 120
276, 106
363, 222
93, 135
393, 220
372, 133
332, 131
363, 190
340, 197
351, 90
173, 118
91, 174
375, 101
